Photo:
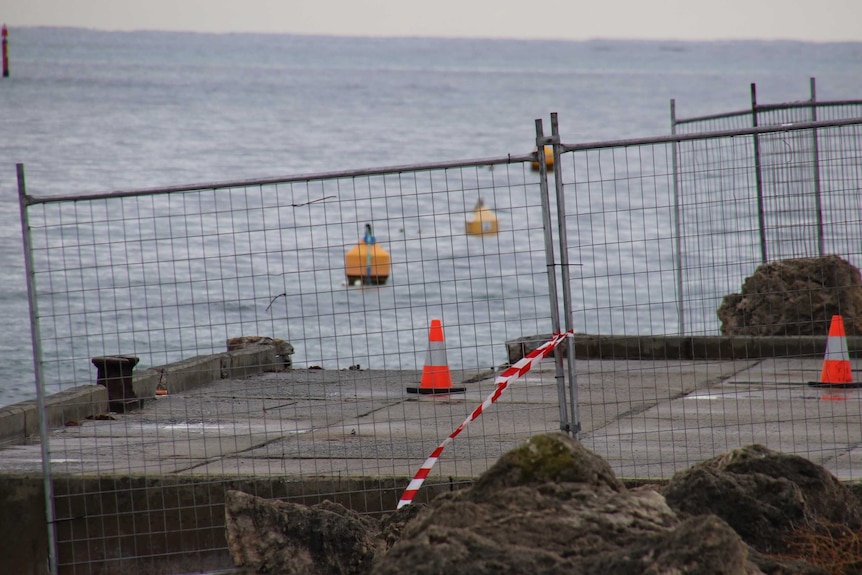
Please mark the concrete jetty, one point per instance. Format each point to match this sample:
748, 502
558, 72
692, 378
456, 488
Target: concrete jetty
245, 416
357, 436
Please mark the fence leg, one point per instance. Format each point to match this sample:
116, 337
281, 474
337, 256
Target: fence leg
761, 225
677, 225
816, 158
47, 476
567, 283
550, 260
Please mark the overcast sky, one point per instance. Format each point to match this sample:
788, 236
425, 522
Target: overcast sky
824, 20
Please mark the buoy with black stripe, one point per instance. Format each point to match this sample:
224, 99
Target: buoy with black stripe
436, 377
836, 371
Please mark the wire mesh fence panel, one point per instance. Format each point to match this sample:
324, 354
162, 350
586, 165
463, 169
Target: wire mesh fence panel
665, 232
318, 337
760, 114
620, 202
720, 234
326, 290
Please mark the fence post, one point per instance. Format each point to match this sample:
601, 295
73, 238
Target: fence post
541, 142
758, 177
677, 224
36, 339
564, 271
816, 158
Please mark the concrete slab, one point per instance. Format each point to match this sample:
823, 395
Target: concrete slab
648, 418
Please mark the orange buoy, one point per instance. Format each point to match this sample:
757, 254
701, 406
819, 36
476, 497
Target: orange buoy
482, 220
367, 263
549, 158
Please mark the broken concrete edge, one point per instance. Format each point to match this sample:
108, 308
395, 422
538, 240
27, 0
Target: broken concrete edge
719, 348
20, 421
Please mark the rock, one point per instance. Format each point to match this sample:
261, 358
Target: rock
270, 536
282, 348
701, 545
550, 458
764, 495
795, 297
551, 506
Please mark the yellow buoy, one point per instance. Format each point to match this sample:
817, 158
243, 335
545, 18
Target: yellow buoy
482, 220
549, 159
366, 262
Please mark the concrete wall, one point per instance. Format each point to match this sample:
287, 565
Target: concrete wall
148, 526
20, 421
683, 347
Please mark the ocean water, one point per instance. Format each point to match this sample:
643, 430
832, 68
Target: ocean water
90, 111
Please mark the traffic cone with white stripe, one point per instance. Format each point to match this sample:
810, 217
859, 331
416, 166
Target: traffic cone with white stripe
436, 377
836, 371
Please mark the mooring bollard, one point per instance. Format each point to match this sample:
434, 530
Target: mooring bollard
115, 373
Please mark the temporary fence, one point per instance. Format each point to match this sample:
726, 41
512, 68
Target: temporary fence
661, 233
343, 273
264, 333
795, 182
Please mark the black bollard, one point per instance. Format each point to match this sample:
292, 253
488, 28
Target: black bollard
115, 373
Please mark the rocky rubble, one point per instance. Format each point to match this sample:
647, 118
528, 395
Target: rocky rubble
551, 506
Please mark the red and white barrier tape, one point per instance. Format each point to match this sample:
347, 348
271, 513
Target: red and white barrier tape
508, 375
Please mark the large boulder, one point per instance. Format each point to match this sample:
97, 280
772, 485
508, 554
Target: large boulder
765, 496
284, 538
270, 536
795, 297
551, 506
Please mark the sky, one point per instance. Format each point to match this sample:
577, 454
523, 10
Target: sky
821, 21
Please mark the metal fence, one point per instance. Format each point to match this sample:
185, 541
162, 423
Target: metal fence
632, 235
170, 275
797, 184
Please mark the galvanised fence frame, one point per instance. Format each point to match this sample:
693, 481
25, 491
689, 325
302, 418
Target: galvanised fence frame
601, 249
167, 276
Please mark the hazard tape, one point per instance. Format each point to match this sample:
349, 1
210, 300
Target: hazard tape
508, 375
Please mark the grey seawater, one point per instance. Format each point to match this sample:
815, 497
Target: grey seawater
89, 111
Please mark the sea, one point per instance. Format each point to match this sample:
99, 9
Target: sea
95, 111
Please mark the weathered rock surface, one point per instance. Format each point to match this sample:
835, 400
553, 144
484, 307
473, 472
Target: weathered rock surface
281, 348
764, 495
269, 536
795, 297
278, 537
550, 507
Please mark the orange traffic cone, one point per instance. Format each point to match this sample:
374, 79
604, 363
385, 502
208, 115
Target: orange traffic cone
436, 377
836, 364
